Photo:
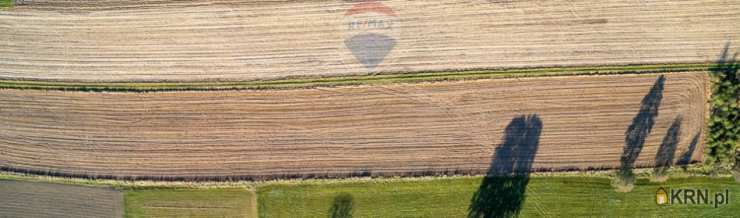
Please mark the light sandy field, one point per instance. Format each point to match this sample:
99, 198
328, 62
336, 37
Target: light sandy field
384, 130
34, 199
117, 40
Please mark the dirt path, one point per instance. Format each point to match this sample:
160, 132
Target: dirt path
116, 40
390, 129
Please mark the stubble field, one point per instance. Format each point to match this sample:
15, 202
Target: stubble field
151, 40
397, 129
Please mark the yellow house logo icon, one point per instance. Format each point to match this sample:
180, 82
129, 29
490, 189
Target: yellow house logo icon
661, 196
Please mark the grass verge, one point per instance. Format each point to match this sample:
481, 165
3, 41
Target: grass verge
231, 202
6, 3
549, 196
309, 82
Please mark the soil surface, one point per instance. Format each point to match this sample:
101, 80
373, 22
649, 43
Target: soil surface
397, 129
155, 40
32, 199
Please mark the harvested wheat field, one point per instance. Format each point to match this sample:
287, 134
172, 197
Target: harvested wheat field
406, 129
33, 199
153, 40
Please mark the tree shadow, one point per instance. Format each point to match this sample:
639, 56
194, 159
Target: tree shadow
639, 130
726, 64
723, 128
686, 156
342, 206
501, 192
667, 150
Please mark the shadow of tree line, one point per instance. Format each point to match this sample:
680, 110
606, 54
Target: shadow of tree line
667, 150
686, 156
501, 193
638, 131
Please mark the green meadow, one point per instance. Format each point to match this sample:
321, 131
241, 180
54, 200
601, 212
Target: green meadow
6, 3
561, 196
208, 202
540, 195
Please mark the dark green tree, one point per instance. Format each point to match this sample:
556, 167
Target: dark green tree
724, 129
342, 206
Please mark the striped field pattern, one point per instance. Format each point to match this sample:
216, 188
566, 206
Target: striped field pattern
155, 40
396, 129
36, 199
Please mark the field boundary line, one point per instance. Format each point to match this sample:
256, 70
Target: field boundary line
693, 170
351, 80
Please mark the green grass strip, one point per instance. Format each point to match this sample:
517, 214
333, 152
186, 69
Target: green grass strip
316, 81
543, 197
558, 194
232, 202
6, 3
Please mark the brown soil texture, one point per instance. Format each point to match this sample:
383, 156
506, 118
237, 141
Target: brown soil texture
32, 199
155, 40
394, 129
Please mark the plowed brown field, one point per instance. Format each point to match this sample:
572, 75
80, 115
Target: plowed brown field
388, 129
32, 199
123, 40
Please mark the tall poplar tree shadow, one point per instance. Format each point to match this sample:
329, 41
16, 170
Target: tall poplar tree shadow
638, 131
723, 130
501, 193
342, 206
667, 150
685, 158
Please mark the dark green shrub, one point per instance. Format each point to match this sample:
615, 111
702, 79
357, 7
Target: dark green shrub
724, 129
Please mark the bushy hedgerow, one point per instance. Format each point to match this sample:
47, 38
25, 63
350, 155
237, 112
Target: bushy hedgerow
724, 129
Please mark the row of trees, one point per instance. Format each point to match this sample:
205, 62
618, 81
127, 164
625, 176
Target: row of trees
724, 130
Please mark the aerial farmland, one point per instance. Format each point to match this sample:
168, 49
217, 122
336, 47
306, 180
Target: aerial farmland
399, 108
